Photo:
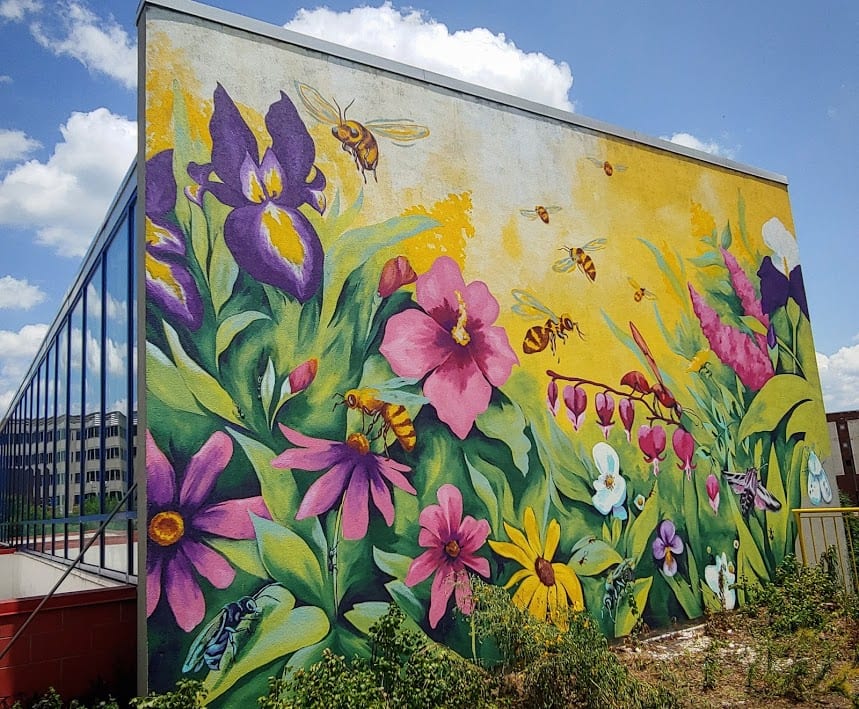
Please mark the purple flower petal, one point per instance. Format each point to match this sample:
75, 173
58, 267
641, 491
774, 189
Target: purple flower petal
450, 502
422, 567
414, 344
209, 564
154, 565
173, 289
160, 184
472, 534
160, 478
481, 305
442, 587
204, 468
325, 493
435, 290
382, 498
459, 393
493, 354
391, 470
478, 563
232, 139
293, 146
183, 592
356, 513
231, 519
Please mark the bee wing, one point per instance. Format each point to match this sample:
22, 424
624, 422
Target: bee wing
530, 213
400, 131
319, 108
554, 208
564, 265
634, 283
529, 307
595, 245
393, 394
596, 161
649, 294
606, 459
619, 168
196, 654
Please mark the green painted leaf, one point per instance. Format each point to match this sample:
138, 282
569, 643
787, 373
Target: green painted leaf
223, 272
487, 496
205, 388
364, 615
748, 548
232, 326
638, 533
625, 621
592, 556
684, 594
773, 402
289, 560
506, 423
809, 419
242, 553
281, 630
395, 565
753, 324
164, 381
406, 600
266, 386
491, 485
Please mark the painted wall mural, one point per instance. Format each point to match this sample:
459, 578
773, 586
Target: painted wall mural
454, 340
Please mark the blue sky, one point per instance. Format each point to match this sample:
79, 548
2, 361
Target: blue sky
770, 84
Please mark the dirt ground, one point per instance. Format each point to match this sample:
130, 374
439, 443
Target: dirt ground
719, 663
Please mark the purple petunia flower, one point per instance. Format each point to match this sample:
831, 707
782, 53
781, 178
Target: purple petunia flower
178, 524
667, 546
451, 543
169, 283
354, 474
266, 233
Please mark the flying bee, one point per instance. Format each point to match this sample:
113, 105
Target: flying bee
393, 417
640, 292
616, 583
219, 635
538, 337
751, 492
356, 138
540, 212
607, 167
577, 257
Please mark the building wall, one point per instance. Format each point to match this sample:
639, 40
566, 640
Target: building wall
457, 339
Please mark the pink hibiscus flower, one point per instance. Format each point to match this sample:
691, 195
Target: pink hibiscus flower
454, 341
178, 524
452, 542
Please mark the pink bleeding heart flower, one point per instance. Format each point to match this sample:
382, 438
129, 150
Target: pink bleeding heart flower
552, 400
684, 449
651, 440
626, 409
575, 402
605, 411
713, 492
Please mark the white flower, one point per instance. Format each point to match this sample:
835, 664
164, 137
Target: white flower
818, 484
783, 244
610, 486
720, 578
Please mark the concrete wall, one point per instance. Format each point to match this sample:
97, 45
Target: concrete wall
439, 338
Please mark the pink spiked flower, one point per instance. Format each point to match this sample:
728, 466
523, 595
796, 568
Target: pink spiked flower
575, 401
605, 411
684, 449
651, 440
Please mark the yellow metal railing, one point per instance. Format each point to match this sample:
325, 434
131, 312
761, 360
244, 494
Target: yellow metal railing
822, 528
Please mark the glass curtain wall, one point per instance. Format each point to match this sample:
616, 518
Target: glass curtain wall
68, 440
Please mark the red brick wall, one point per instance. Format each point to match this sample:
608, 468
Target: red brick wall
78, 641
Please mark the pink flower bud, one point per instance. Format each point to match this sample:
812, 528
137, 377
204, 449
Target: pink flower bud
575, 401
684, 449
396, 273
605, 411
303, 375
552, 400
713, 492
627, 415
651, 440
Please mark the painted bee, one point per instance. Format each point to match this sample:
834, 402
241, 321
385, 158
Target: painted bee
607, 167
540, 212
539, 337
577, 258
356, 138
639, 293
393, 417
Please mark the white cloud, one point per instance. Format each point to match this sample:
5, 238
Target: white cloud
16, 145
16, 10
100, 44
688, 140
476, 55
5, 79
839, 377
66, 197
17, 350
15, 293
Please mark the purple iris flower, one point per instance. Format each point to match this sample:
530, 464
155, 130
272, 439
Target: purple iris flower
776, 287
169, 283
266, 233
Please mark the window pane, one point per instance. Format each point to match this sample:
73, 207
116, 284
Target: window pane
93, 502
74, 492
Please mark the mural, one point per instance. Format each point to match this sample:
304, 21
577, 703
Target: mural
384, 358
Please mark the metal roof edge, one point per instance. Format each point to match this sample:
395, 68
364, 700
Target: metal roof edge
265, 29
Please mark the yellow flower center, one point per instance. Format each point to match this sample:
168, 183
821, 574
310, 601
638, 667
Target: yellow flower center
609, 482
166, 528
545, 572
460, 334
359, 442
452, 548
668, 557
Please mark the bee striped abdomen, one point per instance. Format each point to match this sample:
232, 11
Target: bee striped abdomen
397, 420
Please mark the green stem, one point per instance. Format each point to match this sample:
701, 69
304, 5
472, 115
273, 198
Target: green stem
332, 557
